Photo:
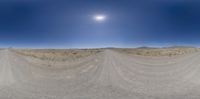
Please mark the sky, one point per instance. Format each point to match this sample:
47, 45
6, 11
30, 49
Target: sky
71, 23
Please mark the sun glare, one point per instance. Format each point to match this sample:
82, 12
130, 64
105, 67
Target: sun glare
99, 18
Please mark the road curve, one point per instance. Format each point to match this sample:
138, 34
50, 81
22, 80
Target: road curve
107, 75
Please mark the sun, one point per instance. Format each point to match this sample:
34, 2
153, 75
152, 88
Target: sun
99, 18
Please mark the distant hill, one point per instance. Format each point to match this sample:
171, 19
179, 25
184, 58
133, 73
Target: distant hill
181, 47
145, 47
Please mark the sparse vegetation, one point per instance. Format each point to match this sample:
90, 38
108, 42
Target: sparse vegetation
159, 51
57, 54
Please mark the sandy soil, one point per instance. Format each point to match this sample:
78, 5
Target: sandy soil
98, 74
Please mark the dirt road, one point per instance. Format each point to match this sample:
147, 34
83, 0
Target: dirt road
107, 75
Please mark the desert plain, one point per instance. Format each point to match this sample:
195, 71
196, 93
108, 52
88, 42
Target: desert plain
107, 73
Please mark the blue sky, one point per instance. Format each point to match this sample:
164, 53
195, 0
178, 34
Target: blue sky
70, 23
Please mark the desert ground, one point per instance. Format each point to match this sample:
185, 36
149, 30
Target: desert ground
109, 73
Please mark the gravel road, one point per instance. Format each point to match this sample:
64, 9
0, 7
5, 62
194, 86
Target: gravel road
107, 75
